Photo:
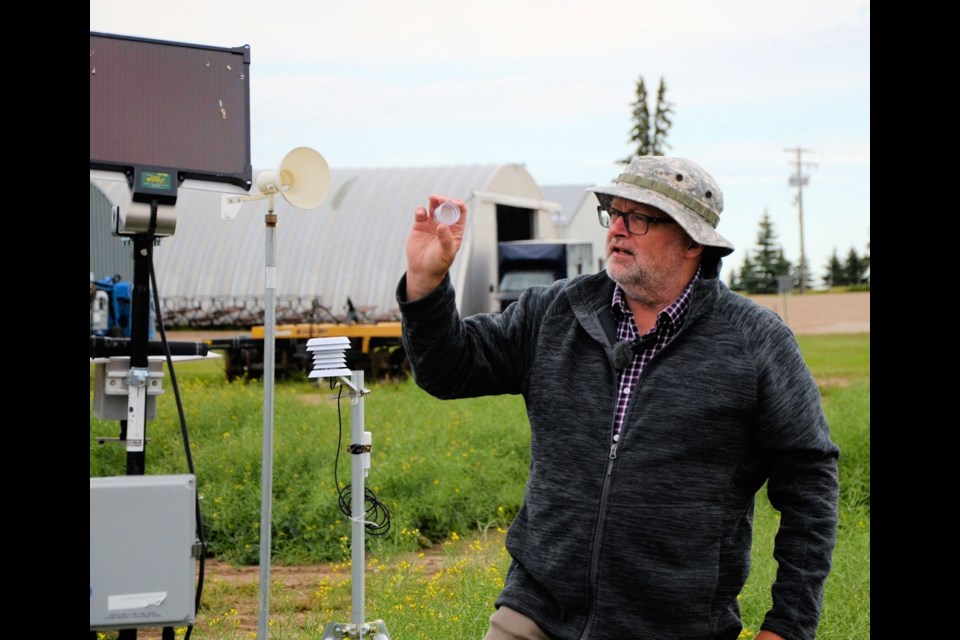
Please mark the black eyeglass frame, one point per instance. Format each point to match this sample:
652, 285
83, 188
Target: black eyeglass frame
608, 215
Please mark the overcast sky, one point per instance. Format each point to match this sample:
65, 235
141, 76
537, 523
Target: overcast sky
549, 84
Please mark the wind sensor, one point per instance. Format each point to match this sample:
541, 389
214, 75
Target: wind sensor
303, 179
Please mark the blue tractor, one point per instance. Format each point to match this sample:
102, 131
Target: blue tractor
111, 306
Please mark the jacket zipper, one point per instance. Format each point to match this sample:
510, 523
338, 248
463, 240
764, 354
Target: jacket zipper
612, 456
601, 526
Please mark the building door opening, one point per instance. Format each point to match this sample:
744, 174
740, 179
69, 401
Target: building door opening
514, 223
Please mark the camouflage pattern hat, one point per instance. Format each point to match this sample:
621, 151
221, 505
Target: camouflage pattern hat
678, 187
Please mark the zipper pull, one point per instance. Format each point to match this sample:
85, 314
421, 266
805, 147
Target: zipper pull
613, 447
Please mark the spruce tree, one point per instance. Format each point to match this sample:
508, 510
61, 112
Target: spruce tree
855, 268
748, 275
802, 268
734, 283
661, 122
769, 259
649, 137
761, 267
834, 276
640, 133
866, 265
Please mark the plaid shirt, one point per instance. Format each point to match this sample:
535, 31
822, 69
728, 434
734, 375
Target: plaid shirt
668, 324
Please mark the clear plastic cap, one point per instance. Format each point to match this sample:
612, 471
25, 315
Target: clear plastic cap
446, 213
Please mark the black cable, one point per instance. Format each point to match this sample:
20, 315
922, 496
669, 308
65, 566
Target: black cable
376, 518
186, 442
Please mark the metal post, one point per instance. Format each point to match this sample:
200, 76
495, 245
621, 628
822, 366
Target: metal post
803, 253
266, 472
357, 499
359, 463
136, 430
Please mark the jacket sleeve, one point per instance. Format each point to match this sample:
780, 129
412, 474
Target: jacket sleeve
802, 485
454, 357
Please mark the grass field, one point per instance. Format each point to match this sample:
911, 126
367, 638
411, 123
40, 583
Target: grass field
438, 569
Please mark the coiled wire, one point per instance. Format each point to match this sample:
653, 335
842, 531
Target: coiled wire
376, 516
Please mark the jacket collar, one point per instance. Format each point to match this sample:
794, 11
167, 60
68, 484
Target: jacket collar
590, 301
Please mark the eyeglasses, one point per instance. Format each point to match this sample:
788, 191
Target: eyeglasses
636, 223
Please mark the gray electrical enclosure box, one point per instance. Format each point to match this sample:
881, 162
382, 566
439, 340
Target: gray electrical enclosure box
142, 539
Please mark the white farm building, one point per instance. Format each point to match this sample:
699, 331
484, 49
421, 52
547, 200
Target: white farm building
352, 246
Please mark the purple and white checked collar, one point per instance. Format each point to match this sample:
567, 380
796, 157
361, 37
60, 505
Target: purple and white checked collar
668, 324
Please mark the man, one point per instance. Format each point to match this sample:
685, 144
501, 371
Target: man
659, 404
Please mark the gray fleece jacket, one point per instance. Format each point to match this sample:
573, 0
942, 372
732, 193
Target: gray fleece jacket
652, 539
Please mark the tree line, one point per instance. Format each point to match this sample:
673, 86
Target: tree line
764, 266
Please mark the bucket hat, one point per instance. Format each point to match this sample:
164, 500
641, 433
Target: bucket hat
678, 187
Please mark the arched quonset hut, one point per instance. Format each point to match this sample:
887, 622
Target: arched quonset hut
350, 247
110, 255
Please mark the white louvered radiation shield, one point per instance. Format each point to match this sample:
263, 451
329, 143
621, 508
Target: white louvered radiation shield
329, 357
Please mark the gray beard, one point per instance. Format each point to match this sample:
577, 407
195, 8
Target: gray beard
639, 286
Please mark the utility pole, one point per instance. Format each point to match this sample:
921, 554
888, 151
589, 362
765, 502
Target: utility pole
800, 181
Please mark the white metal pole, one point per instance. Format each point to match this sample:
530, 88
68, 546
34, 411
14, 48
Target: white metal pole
266, 471
357, 500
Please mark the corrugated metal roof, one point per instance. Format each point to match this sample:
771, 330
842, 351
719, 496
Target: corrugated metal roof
569, 196
109, 255
353, 245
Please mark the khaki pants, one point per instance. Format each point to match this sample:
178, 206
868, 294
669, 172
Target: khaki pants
507, 624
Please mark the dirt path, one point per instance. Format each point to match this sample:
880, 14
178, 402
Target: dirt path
822, 313
299, 583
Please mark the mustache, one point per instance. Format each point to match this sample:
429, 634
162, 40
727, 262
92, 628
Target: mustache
617, 245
